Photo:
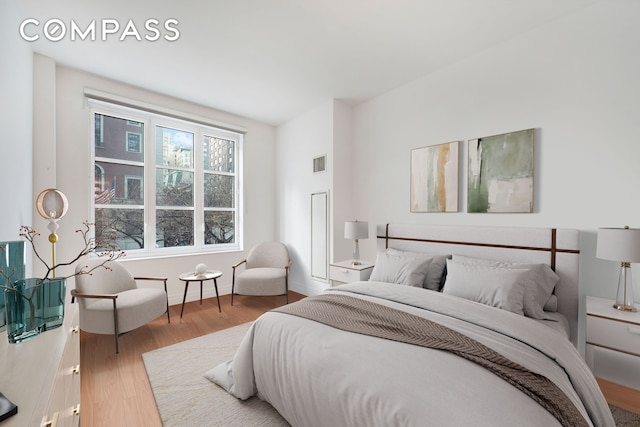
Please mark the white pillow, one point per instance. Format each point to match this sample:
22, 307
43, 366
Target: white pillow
400, 269
552, 304
498, 287
433, 278
538, 289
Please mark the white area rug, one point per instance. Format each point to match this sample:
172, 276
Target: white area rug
624, 418
185, 398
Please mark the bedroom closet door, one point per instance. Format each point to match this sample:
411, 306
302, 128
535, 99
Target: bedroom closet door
320, 236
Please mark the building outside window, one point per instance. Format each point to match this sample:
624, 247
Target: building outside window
172, 187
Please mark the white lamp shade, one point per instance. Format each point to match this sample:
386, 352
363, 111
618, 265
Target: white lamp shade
356, 230
52, 204
619, 244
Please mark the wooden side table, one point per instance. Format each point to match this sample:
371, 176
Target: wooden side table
346, 272
194, 277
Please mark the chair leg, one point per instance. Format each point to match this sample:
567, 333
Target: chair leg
233, 285
115, 325
167, 295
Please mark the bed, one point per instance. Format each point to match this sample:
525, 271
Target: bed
457, 326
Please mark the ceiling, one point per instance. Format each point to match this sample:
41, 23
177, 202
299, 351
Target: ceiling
271, 60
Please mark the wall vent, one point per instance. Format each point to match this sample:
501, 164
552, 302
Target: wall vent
319, 164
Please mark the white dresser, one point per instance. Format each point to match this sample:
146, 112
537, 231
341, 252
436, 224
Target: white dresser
42, 375
613, 343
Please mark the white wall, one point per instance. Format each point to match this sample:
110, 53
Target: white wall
325, 129
576, 81
299, 141
74, 174
343, 181
15, 122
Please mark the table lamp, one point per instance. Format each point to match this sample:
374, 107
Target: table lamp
52, 205
356, 230
623, 245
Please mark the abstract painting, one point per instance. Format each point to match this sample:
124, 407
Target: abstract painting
434, 178
501, 173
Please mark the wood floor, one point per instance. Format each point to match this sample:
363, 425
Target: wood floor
623, 397
115, 390
114, 387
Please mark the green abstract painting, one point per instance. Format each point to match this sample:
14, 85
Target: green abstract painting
501, 173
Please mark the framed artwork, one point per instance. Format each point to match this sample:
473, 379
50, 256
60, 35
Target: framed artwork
434, 178
500, 172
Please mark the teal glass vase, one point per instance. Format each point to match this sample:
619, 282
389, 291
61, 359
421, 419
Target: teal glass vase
12, 264
34, 306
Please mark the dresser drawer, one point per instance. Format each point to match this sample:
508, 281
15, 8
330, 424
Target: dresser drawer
613, 334
346, 275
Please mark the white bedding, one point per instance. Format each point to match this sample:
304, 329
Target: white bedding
557, 322
315, 375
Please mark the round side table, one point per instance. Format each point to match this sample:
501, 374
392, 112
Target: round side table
194, 277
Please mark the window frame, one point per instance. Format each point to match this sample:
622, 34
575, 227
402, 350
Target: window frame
151, 121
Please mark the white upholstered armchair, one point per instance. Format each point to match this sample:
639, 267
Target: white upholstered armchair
266, 271
110, 301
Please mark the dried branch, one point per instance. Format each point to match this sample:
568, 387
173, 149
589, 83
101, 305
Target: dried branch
111, 253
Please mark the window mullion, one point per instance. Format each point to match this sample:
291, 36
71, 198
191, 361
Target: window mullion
238, 190
198, 196
150, 187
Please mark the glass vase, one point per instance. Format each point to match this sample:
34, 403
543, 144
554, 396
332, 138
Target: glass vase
12, 264
34, 306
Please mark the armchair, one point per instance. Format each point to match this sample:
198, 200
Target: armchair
110, 301
266, 271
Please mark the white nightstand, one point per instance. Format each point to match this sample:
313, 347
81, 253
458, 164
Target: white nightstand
345, 272
613, 343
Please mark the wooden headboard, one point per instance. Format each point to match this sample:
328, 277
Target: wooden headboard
559, 248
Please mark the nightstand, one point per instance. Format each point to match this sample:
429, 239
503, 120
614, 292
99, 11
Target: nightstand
345, 272
613, 343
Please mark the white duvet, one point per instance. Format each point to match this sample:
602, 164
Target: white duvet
316, 375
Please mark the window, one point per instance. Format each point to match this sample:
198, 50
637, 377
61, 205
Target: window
98, 178
99, 136
133, 188
134, 142
219, 189
173, 187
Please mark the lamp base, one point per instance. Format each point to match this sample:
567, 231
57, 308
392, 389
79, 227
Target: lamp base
624, 297
356, 253
624, 307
